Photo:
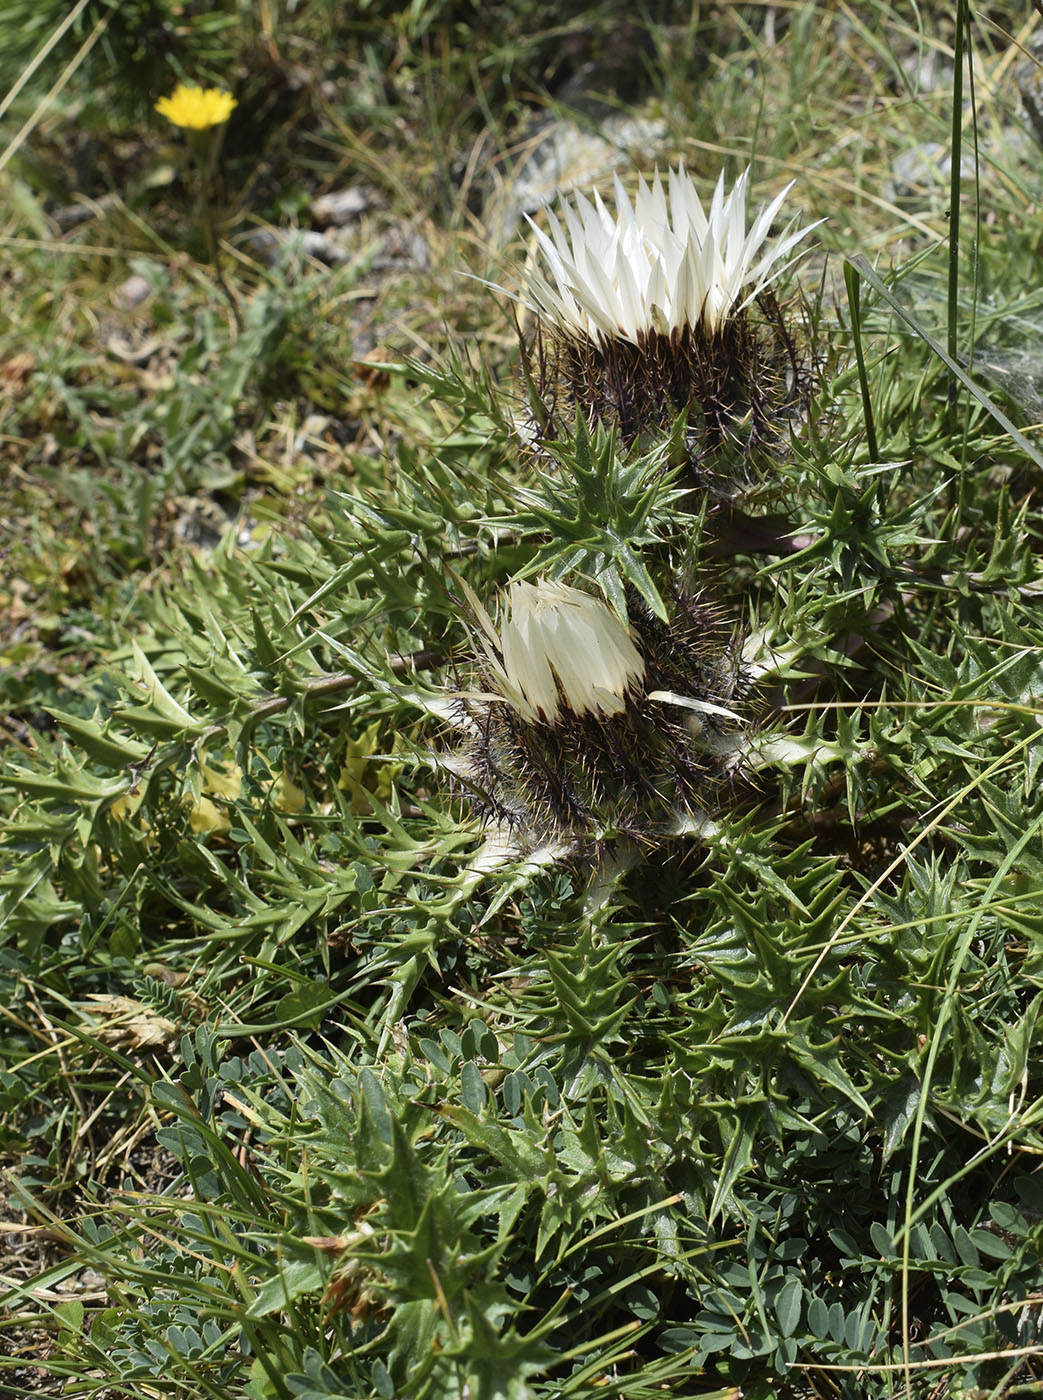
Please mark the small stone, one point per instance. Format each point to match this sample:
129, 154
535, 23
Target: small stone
70, 216
339, 207
267, 243
130, 295
564, 157
402, 247
926, 169
323, 249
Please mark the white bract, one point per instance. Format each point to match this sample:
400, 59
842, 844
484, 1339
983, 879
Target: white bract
661, 264
557, 644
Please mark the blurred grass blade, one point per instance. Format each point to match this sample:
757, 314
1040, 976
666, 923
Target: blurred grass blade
31, 122
42, 53
854, 287
861, 265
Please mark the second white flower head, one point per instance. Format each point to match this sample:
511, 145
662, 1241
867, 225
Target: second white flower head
559, 645
662, 264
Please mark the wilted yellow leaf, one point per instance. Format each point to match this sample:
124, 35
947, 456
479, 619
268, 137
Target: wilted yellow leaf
207, 819
128, 1023
286, 795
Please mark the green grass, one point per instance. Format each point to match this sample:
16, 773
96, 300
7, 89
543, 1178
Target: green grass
293, 1102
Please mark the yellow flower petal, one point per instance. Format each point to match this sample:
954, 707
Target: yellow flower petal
207, 819
287, 796
196, 108
223, 780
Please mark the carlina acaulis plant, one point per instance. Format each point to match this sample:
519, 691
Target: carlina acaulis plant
664, 308
579, 729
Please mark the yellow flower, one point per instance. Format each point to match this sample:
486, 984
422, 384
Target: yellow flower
287, 796
196, 108
205, 817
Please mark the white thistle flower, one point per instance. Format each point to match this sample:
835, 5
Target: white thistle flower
661, 265
558, 644
583, 731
